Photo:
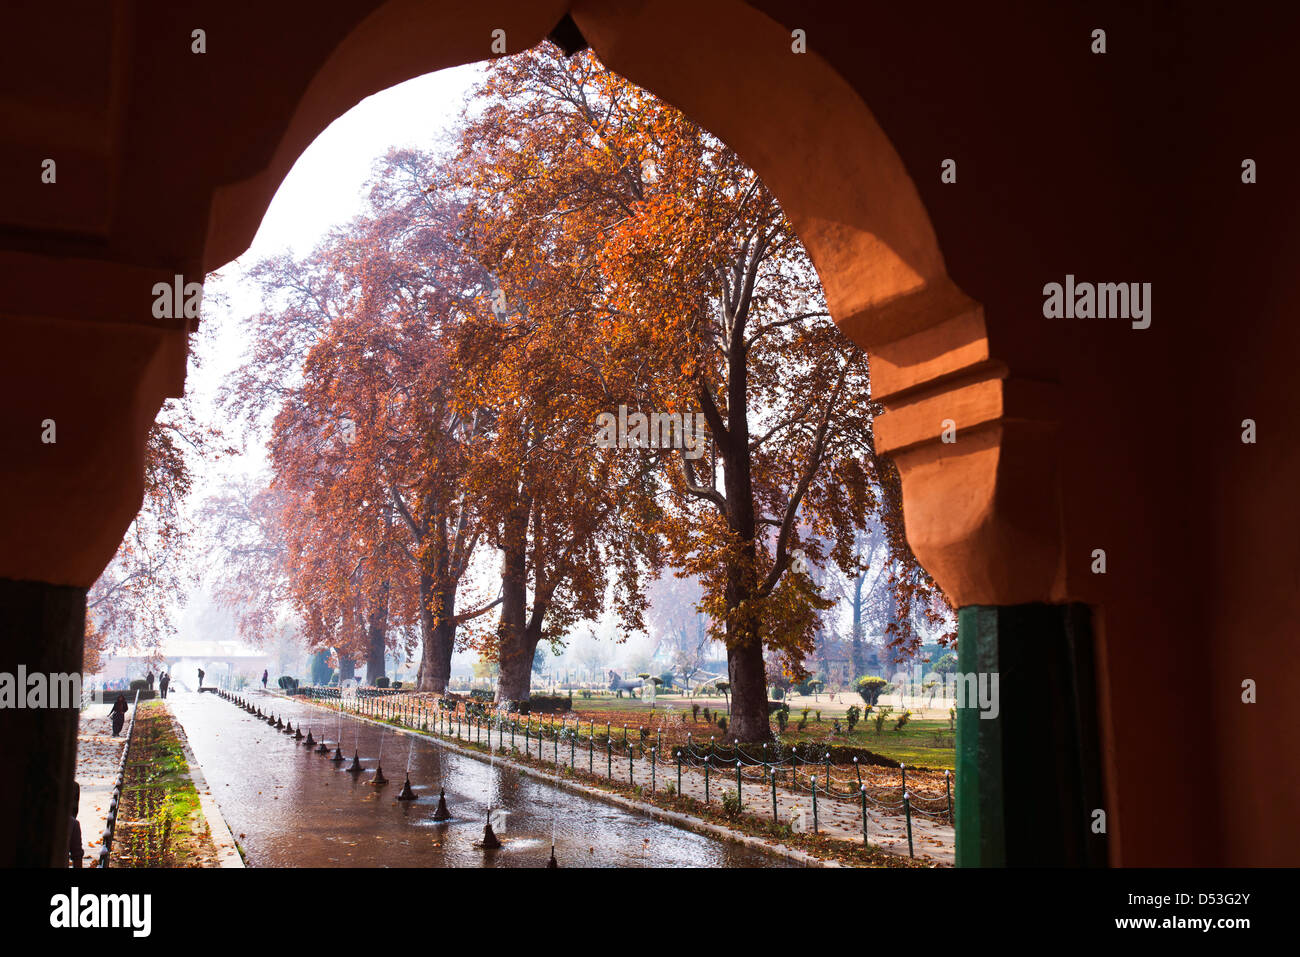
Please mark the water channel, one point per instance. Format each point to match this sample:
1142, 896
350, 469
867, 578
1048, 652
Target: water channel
289, 806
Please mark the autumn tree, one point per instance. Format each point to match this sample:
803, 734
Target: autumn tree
135, 599
694, 296
245, 523
354, 355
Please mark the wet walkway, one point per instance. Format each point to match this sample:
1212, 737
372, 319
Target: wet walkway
290, 807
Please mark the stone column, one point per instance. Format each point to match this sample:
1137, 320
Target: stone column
1028, 767
42, 627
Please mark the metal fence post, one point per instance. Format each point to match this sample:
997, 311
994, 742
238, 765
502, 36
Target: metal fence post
814, 790
907, 809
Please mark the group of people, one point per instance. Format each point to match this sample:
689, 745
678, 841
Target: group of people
163, 682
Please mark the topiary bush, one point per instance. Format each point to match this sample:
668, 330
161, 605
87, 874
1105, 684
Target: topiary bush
870, 687
381, 681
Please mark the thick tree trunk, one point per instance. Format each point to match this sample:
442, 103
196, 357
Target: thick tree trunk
437, 635
516, 679
347, 668
748, 673
515, 646
438, 657
376, 633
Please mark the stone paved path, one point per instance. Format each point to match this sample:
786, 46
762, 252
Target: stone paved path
98, 755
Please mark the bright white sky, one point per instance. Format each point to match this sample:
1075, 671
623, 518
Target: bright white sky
326, 186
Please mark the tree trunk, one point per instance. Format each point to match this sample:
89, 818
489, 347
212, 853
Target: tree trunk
859, 655
376, 633
515, 645
437, 635
347, 668
749, 718
438, 657
516, 679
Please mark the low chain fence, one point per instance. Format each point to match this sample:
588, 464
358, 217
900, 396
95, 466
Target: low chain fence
110, 825
799, 769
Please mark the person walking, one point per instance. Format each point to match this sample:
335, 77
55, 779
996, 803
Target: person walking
118, 714
148, 680
200, 679
163, 682
265, 675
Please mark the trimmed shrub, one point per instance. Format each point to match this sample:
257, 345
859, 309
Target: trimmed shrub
381, 681
545, 704
870, 687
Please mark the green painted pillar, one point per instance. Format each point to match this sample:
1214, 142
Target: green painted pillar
1028, 757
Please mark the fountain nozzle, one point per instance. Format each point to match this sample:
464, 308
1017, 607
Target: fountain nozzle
407, 794
442, 814
355, 766
379, 780
552, 864
490, 842
338, 754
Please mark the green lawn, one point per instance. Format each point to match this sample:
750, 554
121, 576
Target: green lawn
923, 742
